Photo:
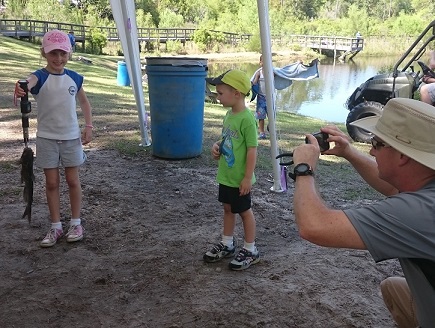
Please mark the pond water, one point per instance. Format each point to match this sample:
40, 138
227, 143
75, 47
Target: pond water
324, 97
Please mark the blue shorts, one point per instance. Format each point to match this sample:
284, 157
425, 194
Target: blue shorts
261, 109
51, 153
231, 195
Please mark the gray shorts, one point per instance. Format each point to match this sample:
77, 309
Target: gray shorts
53, 153
431, 91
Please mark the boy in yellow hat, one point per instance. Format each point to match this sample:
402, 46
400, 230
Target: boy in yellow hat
237, 156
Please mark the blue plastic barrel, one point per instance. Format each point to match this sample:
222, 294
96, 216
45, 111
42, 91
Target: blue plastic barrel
176, 94
122, 77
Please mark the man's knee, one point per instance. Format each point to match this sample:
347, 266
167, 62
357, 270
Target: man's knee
398, 299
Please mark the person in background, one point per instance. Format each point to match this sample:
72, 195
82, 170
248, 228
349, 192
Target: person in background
58, 139
237, 156
261, 107
400, 226
72, 41
358, 39
427, 91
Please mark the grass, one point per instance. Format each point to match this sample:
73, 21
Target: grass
116, 119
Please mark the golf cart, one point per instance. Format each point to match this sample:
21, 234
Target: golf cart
371, 96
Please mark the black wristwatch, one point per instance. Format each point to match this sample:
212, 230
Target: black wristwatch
301, 169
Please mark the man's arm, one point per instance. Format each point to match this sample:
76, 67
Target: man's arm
316, 222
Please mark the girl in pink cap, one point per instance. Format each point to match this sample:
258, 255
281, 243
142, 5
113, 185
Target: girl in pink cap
58, 137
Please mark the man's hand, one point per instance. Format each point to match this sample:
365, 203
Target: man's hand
341, 140
307, 153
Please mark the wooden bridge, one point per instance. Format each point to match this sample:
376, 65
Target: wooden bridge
32, 29
341, 47
331, 46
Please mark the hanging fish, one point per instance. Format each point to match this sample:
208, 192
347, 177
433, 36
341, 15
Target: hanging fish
27, 177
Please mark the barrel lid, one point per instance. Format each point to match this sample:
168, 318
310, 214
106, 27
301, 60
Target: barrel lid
176, 61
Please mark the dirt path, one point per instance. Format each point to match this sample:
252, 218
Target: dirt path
148, 222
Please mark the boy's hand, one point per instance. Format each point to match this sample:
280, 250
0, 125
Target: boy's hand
215, 151
245, 187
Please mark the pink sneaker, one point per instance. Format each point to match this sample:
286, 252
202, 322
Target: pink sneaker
75, 233
51, 238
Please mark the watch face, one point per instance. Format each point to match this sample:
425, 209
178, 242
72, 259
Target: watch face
302, 169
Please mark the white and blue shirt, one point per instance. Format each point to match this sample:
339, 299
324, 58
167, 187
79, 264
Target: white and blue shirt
55, 95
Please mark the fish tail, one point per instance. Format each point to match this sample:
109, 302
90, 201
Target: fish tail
28, 213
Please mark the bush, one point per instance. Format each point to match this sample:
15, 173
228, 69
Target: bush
96, 41
175, 47
202, 39
254, 43
207, 40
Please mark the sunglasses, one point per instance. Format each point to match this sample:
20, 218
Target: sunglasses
376, 143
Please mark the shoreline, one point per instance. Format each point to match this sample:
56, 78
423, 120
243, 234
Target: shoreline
247, 55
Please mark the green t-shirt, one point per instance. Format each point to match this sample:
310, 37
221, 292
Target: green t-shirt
238, 133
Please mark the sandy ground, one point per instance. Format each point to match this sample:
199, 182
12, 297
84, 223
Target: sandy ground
148, 222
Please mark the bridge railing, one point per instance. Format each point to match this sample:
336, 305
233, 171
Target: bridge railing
34, 28
173, 34
321, 42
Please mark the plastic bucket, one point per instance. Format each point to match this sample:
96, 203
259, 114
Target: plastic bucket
176, 94
122, 77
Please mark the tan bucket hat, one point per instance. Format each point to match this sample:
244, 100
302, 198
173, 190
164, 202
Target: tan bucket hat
408, 126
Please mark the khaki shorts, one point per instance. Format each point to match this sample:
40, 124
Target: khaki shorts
53, 153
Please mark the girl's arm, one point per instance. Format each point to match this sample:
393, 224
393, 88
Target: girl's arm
87, 113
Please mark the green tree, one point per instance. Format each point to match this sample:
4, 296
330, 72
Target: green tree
192, 11
424, 9
169, 19
303, 9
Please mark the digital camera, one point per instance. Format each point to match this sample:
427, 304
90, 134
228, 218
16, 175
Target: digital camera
322, 139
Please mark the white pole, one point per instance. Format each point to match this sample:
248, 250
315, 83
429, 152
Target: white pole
125, 18
266, 50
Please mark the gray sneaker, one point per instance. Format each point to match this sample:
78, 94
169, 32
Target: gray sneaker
245, 259
218, 252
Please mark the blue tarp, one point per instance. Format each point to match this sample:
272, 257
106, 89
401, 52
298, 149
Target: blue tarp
283, 77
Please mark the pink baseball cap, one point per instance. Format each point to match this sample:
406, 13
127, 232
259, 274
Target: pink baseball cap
56, 39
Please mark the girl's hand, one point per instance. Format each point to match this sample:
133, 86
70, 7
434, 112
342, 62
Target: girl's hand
86, 135
19, 92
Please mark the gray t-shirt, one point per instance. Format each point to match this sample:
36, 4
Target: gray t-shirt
403, 227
